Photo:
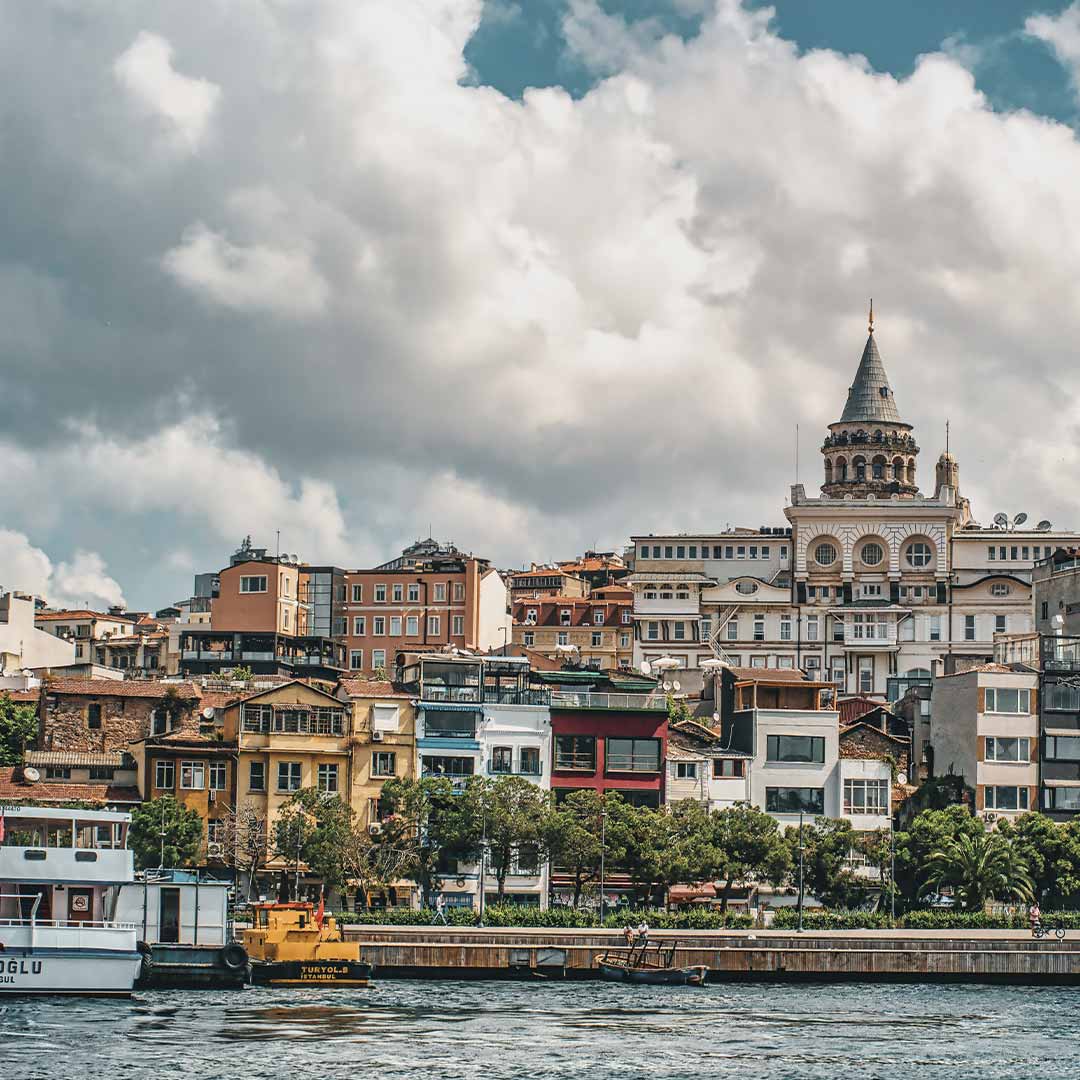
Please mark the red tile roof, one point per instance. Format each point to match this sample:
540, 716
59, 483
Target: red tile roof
144, 688
30, 697
16, 789
60, 616
852, 708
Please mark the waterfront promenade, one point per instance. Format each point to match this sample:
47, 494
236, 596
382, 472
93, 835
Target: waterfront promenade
994, 956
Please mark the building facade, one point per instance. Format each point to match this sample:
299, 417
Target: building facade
24, 644
596, 632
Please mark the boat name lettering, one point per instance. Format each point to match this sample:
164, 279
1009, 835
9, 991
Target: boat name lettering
323, 972
11, 968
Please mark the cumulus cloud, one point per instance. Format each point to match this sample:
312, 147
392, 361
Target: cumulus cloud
384, 298
183, 104
82, 581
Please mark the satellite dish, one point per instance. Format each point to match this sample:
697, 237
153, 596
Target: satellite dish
676, 685
646, 667
1020, 519
716, 718
208, 712
901, 778
1000, 520
31, 774
667, 685
1044, 526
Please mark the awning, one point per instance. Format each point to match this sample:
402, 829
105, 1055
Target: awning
1073, 732
438, 706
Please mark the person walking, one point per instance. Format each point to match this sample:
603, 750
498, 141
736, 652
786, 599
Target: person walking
440, 910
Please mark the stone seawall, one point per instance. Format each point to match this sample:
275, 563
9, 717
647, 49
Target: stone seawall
989, 956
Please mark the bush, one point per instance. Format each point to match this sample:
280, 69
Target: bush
787, 918
554, 918
694, 919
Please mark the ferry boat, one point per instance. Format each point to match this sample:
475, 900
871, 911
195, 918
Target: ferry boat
297, 945
60, 875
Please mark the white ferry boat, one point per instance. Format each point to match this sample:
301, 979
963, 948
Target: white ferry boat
60, 877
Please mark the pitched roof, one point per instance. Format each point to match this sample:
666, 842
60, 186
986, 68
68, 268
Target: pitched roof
852, 708
110, 759
16, 789
758, 674
81, 613
144, 688
24, 697
373, 688
870, 396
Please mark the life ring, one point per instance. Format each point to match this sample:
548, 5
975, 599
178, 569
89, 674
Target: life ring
233, 957
460, 883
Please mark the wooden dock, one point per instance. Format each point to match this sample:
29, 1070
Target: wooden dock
987, 956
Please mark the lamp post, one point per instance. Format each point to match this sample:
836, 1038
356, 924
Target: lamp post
483, 854
801, 879
603, 845
892, 870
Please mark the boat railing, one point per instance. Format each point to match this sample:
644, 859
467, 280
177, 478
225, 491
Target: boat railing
72, 924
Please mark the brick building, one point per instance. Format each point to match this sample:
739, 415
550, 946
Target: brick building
104, 714
595, 631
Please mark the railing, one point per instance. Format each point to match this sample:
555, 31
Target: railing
575, 762
65, 924
573, 699
469, 695
631, 763
516, 697
457, 731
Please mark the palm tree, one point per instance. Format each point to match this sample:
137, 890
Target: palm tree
978, 868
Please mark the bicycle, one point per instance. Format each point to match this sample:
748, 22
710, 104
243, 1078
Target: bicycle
1039, 931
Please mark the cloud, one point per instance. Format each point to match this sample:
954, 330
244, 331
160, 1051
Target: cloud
183, 104
84, 581
376, 298
254, 278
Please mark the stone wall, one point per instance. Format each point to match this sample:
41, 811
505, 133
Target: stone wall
64, 720
867, 743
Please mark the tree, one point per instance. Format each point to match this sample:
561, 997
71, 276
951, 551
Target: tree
511, 811
643, 836
926, 833
1052, 853
244, 843
743, 844
827, 869
572, 832
18, 730
376, 862
164, 832
979, 867
315, 828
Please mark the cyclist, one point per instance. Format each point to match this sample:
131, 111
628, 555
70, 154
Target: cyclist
1035, 916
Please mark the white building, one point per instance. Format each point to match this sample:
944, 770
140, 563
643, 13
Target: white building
701, 767
25, 646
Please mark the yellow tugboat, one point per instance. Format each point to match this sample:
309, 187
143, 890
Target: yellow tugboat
295, 945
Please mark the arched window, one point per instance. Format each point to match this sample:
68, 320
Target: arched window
919, 554
841, 469
872, 553
898, 469
828, 471
911, 471
879, 468
825, 554
860, 468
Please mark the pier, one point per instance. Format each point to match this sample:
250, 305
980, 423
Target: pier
977, 956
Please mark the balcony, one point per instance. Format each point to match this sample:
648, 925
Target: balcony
454, 725
504, 696
631, 763
575, 762
585, 699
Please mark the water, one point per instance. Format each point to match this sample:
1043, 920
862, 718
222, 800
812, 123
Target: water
549, 1030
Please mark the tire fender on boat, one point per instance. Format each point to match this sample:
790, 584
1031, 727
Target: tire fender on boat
233, 957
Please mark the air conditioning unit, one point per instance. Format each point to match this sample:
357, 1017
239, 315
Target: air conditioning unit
377, 736
374, 829
213, 850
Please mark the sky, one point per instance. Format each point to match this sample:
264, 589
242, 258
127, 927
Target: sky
528, 276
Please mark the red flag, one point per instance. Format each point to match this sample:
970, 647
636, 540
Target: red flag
321, 911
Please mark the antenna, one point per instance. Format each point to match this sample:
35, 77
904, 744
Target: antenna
946, 436
796, 453
277, 552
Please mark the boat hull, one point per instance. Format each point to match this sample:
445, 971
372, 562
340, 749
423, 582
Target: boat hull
310, 972
69, 972
691, 976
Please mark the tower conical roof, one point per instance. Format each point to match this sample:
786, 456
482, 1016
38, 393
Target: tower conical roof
870, 398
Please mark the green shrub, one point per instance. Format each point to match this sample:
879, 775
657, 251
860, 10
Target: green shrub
787, 918
694, 919
554, 918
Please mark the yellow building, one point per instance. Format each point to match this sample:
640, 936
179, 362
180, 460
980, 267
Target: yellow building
289, 737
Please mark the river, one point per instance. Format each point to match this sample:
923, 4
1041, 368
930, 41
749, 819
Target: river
549, 1030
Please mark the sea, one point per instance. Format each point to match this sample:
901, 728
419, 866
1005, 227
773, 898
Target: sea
548, 1029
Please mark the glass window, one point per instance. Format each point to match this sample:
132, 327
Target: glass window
686, 770
328, 778
395, 626
1007, 748
414, 593
359, 625
257, 776
935, 628
733, 628
459, 625
919, 554
529, 638
1004, 700
680, 551
1000, 624
804, 748
378, 625
440, 592
812, 628
1005, 798
356, 659
1063, 798
575, 752
1064, 698
288, 778
759, 627
969, 627
398, 593
502, 759
765, 551
790, 800
447, 766
434, 623
253, 584
192, 775
412, 625
825, 554
991, 552
378, 659
680, 631
530, 760
597, 639
93, 715
727, 767
872, 554
785, 627
358, 594
383, 763
165, 775
866, 796
632, 755
217, 775
652, 631
380, 594
693, 551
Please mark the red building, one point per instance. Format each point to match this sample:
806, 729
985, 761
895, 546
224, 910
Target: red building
608, 733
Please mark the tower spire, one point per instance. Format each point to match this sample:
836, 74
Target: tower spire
871, 328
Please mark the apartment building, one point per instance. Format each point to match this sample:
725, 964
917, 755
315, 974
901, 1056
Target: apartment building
702, 768
985, 727
595, 631
288, 737
24, 645
1059, 722
430, 597
272, 614
482, 716
85, 629
544, 581
597, 568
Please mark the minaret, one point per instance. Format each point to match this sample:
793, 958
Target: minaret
870, 450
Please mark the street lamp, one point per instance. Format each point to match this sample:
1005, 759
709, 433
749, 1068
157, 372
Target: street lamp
603, 844
483, 853
801, 879
892, 870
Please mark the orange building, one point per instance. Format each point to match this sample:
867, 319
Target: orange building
595, 631
432, 596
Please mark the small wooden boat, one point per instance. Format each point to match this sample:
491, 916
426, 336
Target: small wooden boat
651, 967
295, 945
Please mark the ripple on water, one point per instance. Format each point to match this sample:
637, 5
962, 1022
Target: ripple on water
549, 1031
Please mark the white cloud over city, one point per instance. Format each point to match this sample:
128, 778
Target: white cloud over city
284, 267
